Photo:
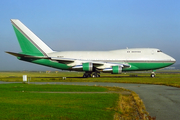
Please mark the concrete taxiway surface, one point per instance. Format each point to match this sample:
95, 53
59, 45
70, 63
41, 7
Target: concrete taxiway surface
162, 102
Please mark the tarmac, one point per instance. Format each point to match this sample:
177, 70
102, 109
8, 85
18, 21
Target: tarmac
162, 102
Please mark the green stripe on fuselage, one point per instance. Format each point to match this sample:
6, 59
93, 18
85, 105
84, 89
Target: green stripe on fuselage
147, 66
26, 46
134, 66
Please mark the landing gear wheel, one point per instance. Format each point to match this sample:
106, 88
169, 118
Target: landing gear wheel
152, 75
89, 75
86, 75
95, 75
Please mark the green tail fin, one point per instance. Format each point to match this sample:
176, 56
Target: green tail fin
30, 44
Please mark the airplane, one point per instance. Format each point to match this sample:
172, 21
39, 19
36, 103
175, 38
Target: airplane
92, 63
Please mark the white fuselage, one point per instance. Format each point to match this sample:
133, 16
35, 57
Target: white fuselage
123, 55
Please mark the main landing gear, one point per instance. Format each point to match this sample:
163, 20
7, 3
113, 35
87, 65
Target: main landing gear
87, 74
90, 74
95, 75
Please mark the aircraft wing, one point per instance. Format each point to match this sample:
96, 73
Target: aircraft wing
95, 63
85, 65
78, 64
63, 60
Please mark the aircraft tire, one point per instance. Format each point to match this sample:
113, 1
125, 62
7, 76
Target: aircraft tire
85, 76
152, 75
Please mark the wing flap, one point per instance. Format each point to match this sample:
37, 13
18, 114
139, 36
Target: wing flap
62, 60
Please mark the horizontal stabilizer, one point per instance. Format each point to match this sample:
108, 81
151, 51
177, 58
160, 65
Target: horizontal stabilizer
27, 56
60, 60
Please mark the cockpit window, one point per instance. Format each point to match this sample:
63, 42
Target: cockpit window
159, 51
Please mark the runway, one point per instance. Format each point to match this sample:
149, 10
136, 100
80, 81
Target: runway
162, 102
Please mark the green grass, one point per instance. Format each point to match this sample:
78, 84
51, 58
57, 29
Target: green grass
169, 79
50, 88
17, 101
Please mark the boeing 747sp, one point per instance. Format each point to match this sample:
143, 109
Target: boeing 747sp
34, 50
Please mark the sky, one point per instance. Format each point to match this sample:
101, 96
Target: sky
82, 25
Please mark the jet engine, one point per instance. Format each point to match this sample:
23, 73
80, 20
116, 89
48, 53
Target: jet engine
87, 66
113, 70
84, 67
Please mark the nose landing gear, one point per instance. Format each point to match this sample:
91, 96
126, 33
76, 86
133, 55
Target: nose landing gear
153, 74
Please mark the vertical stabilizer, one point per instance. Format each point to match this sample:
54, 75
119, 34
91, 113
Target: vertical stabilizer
30, 44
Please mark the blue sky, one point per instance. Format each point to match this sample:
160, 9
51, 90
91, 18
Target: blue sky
91, 25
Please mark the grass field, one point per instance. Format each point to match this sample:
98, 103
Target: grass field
17, 101
27, 101
169, 79
30, 101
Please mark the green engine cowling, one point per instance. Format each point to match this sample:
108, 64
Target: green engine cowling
87, 66
116, 69
113, 70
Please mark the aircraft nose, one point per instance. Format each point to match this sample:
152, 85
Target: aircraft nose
173, 60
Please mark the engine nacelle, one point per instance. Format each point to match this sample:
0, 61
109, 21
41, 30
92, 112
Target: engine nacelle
87, 66
116, 69
113, 70
83, 67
